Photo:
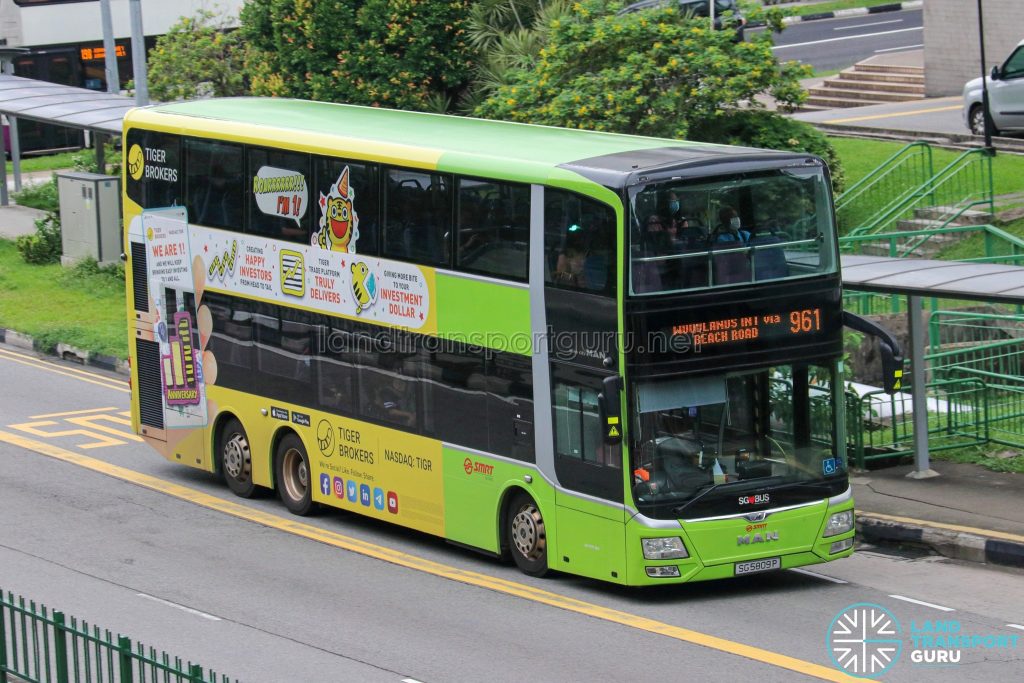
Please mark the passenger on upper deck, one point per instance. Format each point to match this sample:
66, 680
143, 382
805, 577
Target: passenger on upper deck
729, 229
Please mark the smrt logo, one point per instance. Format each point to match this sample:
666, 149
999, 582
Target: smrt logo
471, 466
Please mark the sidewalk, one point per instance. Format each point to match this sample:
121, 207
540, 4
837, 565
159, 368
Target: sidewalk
18, 220
967, 513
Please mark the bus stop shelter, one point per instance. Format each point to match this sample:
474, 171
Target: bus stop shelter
99, 113
917, 279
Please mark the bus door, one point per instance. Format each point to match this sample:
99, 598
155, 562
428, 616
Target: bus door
590, 516
168, 332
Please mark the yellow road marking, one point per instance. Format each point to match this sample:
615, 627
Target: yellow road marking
91, 420
99, 440
420, 564
67, 372
72, 412
939, 525
890, 116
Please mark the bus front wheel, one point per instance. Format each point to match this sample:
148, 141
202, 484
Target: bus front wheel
236, 459
527, 537
293, 475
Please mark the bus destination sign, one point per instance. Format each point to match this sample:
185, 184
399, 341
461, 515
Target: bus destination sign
796, 322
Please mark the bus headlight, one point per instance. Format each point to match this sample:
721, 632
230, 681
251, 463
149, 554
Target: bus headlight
670, 548
839, 523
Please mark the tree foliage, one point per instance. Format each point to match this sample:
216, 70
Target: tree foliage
655, 72
197, 57
406, 54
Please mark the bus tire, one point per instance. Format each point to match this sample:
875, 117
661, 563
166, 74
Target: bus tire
527, 538
236, 458
293, 475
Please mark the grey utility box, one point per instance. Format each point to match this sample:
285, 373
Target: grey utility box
90, 216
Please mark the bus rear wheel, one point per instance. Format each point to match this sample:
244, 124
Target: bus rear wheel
293, 475
527, 537
236, 459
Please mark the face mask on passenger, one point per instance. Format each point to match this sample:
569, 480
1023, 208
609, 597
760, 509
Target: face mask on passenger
734, 222
673, 206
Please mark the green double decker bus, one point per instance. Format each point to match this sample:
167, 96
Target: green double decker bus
607, 355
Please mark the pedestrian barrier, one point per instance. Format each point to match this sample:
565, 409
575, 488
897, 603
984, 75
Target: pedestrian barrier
42, 646
881, 426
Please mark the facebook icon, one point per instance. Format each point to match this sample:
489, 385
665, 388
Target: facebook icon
325, 484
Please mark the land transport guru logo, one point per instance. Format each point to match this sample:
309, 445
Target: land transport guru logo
866, 640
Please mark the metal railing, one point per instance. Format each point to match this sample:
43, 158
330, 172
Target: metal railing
965, 183
909, 167
881, 426
999, 245
42, 646
987, 348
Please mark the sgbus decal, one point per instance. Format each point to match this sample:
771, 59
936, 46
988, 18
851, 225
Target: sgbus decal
339, 222
280, 192
336, 283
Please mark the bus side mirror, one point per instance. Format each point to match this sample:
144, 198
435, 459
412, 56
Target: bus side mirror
892, 368
609, 406
892, 355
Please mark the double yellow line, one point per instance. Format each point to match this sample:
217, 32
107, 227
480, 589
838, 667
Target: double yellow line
415, 563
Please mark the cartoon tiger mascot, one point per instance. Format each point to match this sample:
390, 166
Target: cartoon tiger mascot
339, 223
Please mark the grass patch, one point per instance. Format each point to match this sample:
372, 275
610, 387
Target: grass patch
48, 162
859, 157
833, 6
984, 456
83, 306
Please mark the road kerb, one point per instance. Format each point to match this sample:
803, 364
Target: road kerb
950, 540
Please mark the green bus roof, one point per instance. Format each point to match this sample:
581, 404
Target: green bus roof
463, 144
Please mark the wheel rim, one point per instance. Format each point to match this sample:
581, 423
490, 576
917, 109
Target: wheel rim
237, 461
528, 532
978, 122
295, 474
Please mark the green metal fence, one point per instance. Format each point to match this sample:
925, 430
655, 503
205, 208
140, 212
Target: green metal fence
986, 348
910, 167
880, 426
42, 646
965, 183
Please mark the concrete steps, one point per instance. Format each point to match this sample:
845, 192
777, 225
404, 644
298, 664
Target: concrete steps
864, 84
927, 219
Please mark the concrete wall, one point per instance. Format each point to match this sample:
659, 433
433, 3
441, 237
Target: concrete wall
952, 54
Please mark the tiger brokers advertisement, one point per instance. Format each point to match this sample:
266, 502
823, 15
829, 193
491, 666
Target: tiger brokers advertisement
337, 283
165, 236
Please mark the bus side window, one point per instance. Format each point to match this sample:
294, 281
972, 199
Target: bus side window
493, 228
579, 243
583, 461
279, 195
231, 340
418, 217
214, 184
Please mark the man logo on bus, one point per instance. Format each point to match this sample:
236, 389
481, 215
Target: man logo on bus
339, 223
364, 286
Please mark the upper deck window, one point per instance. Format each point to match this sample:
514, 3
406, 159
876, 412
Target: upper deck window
689, 234
579, 243
215, 184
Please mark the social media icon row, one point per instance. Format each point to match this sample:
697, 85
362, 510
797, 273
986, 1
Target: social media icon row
361, 493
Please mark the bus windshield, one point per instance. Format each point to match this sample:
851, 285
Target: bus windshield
688, 234
715, 436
